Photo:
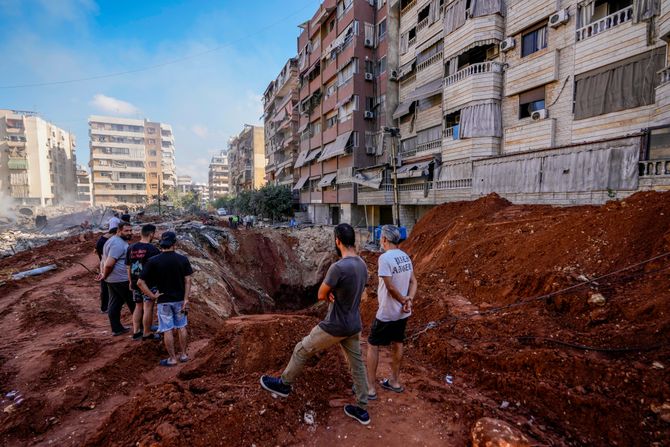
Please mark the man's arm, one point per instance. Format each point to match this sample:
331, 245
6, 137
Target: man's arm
146, 290
107, 268
130, 279
395, 293
326, 293
187, 291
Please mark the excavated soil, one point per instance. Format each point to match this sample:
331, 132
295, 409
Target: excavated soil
492, 312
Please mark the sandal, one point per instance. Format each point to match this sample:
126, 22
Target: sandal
183, 358
387, 385
166, 362
370, 396
151, 337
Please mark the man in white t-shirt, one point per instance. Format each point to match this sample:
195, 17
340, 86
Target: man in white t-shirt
397, 287
114, 221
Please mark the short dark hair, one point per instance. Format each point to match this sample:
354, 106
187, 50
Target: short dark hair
346, 235
148, 229
125, 217
123, 224
113, 230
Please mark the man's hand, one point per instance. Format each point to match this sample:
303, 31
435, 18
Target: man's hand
186, 306
99, 277
331, 297
407, 305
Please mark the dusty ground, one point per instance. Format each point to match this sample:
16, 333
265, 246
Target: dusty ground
561, 369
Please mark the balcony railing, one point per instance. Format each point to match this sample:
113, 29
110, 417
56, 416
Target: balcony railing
407, 7
434, 58
665, 76
449, 132
411, 42
422, 147
432, 185
612, 20
422, 24
482, 67
654, 168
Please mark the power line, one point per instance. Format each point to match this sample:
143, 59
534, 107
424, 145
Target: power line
162, 64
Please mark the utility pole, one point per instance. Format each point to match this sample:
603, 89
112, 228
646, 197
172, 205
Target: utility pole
394, 132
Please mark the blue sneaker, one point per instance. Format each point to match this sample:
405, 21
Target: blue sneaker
357, 413
275, 385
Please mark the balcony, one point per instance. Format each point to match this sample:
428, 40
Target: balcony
608, 40
407, 7
654, 168
476, 31
20, 164
456, 149
533, 71
473, 83
606, 23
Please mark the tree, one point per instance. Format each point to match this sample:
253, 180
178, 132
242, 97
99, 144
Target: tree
270, 201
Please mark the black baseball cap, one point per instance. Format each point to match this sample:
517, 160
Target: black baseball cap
168, 239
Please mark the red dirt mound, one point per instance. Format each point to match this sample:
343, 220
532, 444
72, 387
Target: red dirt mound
476, 256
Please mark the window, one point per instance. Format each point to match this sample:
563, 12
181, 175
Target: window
152, 141
534, 41
531, 101
423, 14
153, 153
381, 30
330, 121
343, 7
369, 66
346, 73
331, 25
382, 66
370, 104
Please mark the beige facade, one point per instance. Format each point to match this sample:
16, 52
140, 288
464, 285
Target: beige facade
83, 185
37, 160
219, 177
541, 102
246, 158
281, 125
132, 160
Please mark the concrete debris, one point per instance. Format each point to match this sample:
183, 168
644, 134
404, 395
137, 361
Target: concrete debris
597, 299
34, 272
489, 432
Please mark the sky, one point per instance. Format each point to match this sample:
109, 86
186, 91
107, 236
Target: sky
201, 66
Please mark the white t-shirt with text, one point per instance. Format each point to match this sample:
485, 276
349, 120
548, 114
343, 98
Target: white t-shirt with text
397, 265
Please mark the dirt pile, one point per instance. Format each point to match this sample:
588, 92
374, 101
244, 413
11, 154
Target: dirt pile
476, 261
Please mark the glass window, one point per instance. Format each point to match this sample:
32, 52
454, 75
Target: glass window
534, 41
531, 101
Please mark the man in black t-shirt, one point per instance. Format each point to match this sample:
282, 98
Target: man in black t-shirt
104, 292
137, 256
170, 273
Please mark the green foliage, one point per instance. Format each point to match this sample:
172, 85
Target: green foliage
270, 201
187, 201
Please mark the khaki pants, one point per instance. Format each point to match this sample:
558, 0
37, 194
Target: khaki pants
319, 340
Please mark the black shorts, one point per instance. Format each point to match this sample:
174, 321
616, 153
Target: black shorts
383, 333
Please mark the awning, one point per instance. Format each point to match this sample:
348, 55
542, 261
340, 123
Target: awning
344, 101
312, 155
406, 69
280, 116
301, 159
327, 180
278, 172
479, 43
302, 128
427, 90
371, 179
301, 182
338, 147
414, 170
339, 39
429, 43
403, 109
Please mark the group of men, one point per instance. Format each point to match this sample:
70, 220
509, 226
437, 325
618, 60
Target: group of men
234, 221
144, 277
343, 287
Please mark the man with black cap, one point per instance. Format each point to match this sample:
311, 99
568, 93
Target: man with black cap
395, 293
169, 273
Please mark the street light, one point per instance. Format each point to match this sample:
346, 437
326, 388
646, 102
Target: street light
394, 132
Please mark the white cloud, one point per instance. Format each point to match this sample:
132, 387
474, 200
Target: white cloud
69, 10
197, 168
200, 130
113, 106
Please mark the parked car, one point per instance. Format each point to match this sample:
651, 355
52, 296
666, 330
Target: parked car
221, 211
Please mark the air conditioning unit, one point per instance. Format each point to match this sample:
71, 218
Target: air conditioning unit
370, 43
370, 150
558, 19
369, 76
369, 114
393, 76
507, 44
539, 115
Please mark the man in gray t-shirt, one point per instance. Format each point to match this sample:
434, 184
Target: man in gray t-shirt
113, 272
343, 287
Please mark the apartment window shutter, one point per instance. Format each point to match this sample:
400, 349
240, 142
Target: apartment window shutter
481, 120
454, 16
480, 8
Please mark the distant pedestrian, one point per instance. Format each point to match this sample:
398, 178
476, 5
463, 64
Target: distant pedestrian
170, 274
395, 293
113, 272
125, 218
230, 221
113, 221
343, 286
104, 291
137, 256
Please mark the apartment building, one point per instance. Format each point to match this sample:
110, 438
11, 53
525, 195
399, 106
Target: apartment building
280, 103
541, 102
132, 160
246, 159
83, 185
184, 183
347, 94
219, 176
37, 160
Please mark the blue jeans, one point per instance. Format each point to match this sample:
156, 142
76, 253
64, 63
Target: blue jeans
170, 316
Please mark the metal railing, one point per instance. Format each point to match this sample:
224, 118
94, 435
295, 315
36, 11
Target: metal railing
440, 185
449, 132
411, 41
407, 7
474, 69
422, 24
653, 168
612, 20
